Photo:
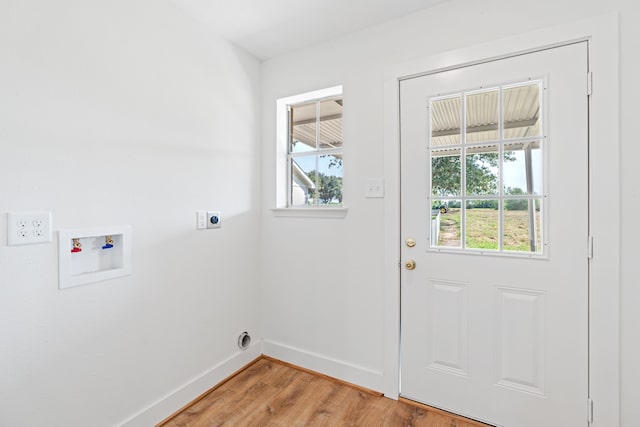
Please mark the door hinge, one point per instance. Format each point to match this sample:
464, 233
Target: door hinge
589, 410
589, 83
590, 247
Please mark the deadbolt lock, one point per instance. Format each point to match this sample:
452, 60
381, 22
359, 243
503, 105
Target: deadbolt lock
410, 242
410, 264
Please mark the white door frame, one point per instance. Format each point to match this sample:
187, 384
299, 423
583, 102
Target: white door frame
604, 220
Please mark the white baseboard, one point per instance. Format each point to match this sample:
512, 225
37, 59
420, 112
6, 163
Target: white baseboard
339, 369
175, 400
167, 405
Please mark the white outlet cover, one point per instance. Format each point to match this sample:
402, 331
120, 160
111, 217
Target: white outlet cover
25, 228
214, 223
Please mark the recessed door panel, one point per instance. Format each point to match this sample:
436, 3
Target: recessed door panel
521, 340
448, 327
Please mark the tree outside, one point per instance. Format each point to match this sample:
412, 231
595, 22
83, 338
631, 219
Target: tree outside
329, 187
516, 204
481, 169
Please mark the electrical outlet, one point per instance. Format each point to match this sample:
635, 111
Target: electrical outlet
25, 228
208, 219
213, 219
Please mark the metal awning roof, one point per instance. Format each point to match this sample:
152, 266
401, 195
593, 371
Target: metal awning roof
305, 123
521, 111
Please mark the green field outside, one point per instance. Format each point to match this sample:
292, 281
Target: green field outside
482, 229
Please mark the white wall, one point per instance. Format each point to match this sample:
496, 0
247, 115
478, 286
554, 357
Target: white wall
125, 112
112, 113
329, 312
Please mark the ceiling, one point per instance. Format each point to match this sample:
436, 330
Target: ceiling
273, 27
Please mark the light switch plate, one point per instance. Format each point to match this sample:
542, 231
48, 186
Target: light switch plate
374, 188
201, 220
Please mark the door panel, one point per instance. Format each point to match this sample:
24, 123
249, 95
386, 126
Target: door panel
448, 326
492, 328
521, 340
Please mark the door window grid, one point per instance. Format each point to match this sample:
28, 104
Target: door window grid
475, 138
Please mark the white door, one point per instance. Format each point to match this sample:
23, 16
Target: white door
494, 213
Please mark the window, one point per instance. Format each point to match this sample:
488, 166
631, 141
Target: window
486, 163
310, 125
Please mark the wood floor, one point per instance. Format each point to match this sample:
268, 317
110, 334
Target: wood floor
272, 393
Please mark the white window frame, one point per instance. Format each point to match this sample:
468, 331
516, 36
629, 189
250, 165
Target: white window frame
282, 153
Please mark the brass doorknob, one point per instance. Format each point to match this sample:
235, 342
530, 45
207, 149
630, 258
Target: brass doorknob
410, 264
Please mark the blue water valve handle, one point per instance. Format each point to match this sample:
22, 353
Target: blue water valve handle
108, 242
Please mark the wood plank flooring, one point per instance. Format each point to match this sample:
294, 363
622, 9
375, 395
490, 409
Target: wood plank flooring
273, 393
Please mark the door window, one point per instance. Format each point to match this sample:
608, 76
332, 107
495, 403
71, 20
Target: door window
493, 200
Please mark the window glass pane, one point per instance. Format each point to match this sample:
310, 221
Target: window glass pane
522, 111
482, 116
482, 170
329, 180
445, 223
512, 159
445, 173
314, 148
482, 224
304, 119
522, 168
303, 178
445, 121
298, 146
330, 124
521, 229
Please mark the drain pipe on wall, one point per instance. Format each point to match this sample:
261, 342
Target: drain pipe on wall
244, 340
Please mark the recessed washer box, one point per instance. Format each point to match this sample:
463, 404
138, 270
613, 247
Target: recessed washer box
88, 255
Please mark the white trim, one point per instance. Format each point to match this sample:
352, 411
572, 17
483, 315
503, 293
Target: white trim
602, 34
310, 96
172, 402
315, 212
325, 365
186, 393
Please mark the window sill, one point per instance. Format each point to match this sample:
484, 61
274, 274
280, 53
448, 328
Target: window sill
310, 212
